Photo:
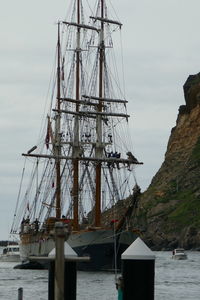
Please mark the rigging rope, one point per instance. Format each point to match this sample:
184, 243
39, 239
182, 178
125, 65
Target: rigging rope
18, 197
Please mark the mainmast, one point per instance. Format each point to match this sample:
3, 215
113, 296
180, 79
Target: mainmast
99, 147
75, 190
57, 144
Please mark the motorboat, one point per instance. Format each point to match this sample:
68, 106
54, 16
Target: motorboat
179, 254
10, 254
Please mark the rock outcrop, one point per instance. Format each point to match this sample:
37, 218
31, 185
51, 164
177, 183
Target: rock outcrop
169, 211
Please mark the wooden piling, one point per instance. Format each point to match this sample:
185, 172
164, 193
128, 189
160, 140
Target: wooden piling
68, 268
70, 280
20, 293
59, 261
51, 280
138, 272
69, 260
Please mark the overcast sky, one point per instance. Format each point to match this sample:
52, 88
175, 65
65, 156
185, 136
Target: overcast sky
161, 46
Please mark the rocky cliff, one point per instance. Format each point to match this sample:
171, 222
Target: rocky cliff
169, 211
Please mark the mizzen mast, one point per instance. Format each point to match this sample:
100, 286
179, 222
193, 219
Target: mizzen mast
99, 146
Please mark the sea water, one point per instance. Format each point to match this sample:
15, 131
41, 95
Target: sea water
174, 280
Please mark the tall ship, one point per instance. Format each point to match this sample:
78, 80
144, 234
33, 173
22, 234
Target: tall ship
83, 165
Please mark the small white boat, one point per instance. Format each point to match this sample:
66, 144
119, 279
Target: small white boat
10, 254
179, 254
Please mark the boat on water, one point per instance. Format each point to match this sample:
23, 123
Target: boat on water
179, 254
10, 254
84, 167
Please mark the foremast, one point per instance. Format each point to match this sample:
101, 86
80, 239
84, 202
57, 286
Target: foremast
57, 144
76, 146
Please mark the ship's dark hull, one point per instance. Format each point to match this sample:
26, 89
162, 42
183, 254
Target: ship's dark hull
101, 246
102, 257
